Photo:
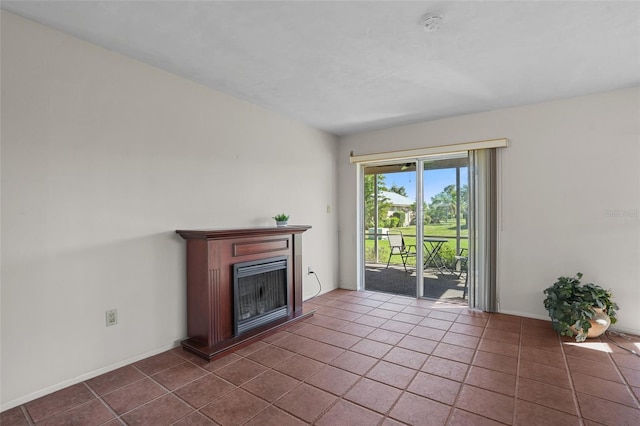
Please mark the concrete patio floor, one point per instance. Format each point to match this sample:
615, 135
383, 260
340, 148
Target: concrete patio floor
395, 280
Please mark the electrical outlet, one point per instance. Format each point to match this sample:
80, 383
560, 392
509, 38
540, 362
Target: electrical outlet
111, 317
309, 271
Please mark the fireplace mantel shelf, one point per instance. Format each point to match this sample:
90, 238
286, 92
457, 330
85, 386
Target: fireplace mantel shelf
211, 256
221, 234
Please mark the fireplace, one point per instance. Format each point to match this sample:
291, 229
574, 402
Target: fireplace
242, 284
260, 293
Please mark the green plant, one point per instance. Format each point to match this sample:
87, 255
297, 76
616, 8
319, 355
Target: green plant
448, 255
281, 217
401, 217
571, 305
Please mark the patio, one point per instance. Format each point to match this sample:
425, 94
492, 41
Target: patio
395, 280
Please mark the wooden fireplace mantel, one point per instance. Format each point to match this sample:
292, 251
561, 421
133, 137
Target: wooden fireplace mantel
221, 234
211, 255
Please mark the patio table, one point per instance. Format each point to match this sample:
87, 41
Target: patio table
432, 247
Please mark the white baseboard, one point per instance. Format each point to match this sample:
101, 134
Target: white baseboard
79, 379
614, 327
526, 315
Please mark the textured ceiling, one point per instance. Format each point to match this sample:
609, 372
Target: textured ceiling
347, 67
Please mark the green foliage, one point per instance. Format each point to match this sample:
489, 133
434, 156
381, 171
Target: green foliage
448, 255
398, 190
401, 217
393, 222
443, 205
281, 217
384, 203
571, 304
425, 208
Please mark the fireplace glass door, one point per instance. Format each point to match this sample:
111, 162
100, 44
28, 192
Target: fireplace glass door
260, 293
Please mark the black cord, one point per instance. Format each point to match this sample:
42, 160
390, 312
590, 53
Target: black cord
319, 285
609, 333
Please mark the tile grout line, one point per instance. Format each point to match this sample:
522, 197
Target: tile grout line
361, 376
360, 379
452, 406
574, 393
515, 395
340, 397
429, 356
30, 420
168, 392
272, 403
26, 414
103, 402
304, 381
622, 376
386, 415
221, 395
403, 390
466, 374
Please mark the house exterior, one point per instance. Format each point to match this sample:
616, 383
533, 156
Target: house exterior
399, 203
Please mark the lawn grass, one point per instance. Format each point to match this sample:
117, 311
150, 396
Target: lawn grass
448, 250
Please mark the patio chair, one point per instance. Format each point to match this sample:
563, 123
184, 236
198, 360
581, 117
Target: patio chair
463, 259
396, 241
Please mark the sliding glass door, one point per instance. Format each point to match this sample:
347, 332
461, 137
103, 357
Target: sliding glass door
390, 228
415, 236
445, 236
456, 220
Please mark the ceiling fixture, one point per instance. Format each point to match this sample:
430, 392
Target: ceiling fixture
432, 21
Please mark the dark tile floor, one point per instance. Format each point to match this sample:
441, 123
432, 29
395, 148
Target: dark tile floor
369, 359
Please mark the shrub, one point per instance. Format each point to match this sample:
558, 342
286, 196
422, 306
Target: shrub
448, 254
401, 217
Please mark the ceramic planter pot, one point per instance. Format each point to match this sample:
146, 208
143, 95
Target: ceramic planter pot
281, 222
599, 324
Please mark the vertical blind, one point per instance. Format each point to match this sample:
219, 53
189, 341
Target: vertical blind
482, 229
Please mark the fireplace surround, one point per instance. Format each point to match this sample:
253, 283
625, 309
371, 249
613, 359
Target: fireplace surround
221, 277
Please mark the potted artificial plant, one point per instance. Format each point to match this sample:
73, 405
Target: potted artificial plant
281, 219
583, 310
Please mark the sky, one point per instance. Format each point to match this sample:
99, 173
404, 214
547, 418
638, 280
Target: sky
434, 181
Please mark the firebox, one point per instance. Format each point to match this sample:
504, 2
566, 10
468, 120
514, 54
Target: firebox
260, 292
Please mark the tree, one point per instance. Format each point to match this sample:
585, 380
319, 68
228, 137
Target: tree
444, 205
398, 190
384, 204
427, 217
464, 201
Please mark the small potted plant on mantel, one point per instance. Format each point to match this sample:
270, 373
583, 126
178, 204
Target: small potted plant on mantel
582, 310
281, 219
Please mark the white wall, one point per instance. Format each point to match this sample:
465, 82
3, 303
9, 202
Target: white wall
570, 194
103, 158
